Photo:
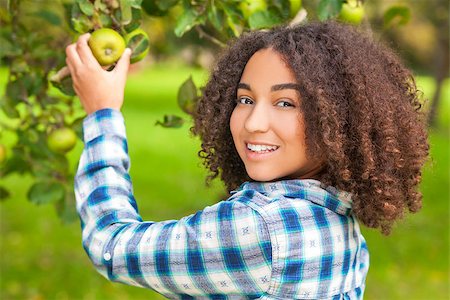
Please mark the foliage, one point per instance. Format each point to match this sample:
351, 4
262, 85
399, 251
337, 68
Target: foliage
32, 42
43, 260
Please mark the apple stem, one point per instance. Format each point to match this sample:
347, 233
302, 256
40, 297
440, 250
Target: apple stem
108, 51
60, 75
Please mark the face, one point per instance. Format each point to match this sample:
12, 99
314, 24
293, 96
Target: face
267, 125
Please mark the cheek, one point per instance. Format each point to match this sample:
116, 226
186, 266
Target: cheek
293, 133
300, 136
300, 130
234, 124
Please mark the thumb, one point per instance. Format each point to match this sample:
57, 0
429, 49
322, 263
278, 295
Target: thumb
124, 62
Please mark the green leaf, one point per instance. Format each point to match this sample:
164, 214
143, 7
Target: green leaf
125, 9
47, 163
49, 16
105, 20
36, 143
136, 4
86, 7
284, 7
82, 24
44, 192
68, 9
188, 96
171, 121
138, 42
233, 19
79, 21
135, 20
215, 17
263, 19
77, 126
166, 4
15, 91
65, 86
152, 9
186, 22
66, 208
33, 83
100, 6
329, 9
16, 163
8, 49
396, 14
42, 52
9, 108
4, 193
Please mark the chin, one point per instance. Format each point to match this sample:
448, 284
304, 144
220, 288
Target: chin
262, 178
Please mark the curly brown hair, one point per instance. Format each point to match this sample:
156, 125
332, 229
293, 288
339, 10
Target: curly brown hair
361, 108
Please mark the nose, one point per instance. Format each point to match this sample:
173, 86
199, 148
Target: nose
258, 120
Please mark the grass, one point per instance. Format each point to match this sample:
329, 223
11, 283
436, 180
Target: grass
43, 259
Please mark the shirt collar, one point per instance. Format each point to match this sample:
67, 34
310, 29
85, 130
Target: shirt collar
309, 189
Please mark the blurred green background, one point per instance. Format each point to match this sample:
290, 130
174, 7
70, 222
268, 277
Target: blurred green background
41, 258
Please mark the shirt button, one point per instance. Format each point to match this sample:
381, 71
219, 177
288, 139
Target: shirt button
107, 256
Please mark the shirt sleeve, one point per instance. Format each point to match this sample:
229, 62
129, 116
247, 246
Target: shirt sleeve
223, 249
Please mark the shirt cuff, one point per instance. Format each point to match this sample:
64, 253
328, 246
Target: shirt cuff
103, 122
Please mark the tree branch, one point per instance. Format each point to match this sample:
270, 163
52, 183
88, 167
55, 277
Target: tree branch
203, 34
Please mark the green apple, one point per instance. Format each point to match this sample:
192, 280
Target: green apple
352, 12
107, 46
62, 140
138, 42
2, 153
249, 7
294, 7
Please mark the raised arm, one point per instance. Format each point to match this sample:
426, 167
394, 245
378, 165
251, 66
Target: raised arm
223, 249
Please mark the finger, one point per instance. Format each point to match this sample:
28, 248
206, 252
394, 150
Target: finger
84, 51
70, 67
124, 63
72, 74
73, 58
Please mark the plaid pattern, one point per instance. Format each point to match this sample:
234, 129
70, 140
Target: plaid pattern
283, 240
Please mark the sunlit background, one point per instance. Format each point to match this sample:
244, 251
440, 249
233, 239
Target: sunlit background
42, 258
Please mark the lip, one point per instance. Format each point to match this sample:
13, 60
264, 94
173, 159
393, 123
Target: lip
259, 143
259, 156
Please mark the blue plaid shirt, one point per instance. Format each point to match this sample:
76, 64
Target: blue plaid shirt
280, 240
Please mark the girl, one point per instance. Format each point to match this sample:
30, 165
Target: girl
313, 128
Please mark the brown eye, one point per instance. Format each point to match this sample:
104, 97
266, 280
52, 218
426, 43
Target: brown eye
284, 103
244, 100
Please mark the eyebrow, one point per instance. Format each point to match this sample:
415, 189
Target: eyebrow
277, 87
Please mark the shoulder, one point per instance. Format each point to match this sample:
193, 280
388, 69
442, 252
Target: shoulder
305, 198
302, 213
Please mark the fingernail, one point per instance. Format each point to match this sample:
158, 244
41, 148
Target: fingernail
128, 51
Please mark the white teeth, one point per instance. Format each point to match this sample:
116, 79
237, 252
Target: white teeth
261, 148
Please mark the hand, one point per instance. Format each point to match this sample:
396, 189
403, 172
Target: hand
96, 87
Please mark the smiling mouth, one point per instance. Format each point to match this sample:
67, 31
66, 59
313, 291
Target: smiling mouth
260, 149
